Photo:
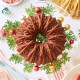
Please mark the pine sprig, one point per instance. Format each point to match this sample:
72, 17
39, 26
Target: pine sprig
68, 46
11, 42
31, 10
65, 58
16, 58
15, 24
46, 68
70, 35
49, 9
28, 67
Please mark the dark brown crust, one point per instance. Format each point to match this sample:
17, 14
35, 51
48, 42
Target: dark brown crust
36, 52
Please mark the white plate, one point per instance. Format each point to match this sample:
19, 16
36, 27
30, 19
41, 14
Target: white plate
12, 4
73, 73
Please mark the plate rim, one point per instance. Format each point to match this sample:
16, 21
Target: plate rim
12, 4
70, 71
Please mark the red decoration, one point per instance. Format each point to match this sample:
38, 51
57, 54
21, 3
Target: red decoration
36, 68
71, 41
7, 1
11, 1
39, 79
38, 10
79, 35
78, 77
12, 32
2, 32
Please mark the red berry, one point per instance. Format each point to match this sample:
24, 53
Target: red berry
12, 31
36, 68
2, 32
71, 41
78, 77
4, 35
79, 34
38, 10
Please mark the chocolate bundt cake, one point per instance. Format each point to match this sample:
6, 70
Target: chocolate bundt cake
40, 39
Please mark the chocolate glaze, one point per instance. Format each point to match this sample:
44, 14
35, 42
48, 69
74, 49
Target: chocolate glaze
37, 52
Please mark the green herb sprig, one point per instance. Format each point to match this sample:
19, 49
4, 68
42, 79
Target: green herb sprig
46, 68
11, 25
49, 9
41, 37
69, 36
16, 58
28, 67
30, 11
11, 42
58, 63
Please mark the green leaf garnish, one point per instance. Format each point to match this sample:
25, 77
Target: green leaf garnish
49, 9
10, 25
11, 42
69, 35
16, 58
28, 67
30, 11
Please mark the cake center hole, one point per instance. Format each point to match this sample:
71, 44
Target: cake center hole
41, 38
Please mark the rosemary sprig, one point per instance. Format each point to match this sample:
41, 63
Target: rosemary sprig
68, 46
28, 67
70, 35
16, 58
11, 42
58, 63
49, 9
46, 68
30, 11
